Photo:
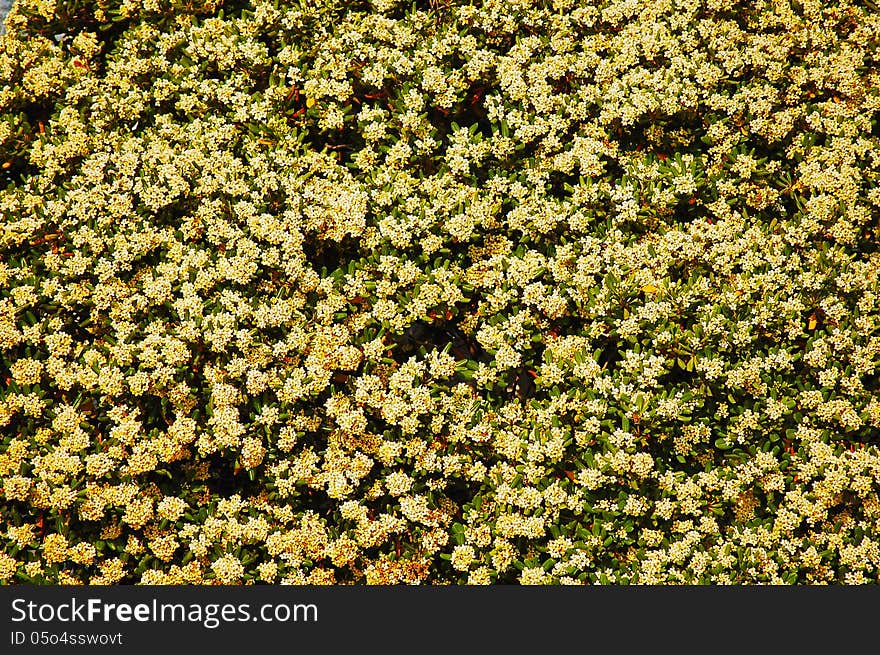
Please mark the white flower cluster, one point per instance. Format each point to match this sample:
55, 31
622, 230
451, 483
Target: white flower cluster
510, 291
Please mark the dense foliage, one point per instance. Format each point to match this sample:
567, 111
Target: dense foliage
537, 291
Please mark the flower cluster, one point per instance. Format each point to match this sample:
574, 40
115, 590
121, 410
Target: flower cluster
385, 292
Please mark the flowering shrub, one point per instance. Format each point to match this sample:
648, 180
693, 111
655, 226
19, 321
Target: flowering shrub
514, 291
